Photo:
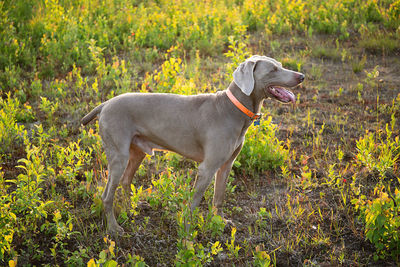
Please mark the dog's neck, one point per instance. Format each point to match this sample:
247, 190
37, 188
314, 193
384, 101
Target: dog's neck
252, 102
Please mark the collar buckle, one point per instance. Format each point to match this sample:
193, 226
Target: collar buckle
256, 117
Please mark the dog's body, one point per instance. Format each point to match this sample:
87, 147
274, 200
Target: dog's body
207, 128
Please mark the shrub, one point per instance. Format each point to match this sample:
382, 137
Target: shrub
380, 212
262, 150
11, 132
378, 152
381, 216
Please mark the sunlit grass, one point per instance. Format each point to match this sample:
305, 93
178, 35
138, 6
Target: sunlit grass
310, 181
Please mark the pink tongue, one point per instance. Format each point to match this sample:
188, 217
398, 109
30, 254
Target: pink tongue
284, 95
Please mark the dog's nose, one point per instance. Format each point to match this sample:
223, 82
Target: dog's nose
301, 77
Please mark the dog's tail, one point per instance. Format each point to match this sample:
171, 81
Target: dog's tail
92, 114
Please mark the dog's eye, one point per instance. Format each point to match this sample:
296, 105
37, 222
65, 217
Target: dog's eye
275, 68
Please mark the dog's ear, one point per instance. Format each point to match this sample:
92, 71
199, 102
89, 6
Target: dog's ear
243, 76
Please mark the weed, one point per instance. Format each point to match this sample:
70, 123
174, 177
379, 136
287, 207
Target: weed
12, 133
262, 150
380, 43
106, 256
233, 250
358, 65
60, 58
326, 53
8, 220
316, 72
48, 108
381, 220
292, 63
378, 152
237, 53
360, 88
261, 258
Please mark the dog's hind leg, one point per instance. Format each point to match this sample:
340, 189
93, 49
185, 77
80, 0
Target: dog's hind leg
135, 159
117, 163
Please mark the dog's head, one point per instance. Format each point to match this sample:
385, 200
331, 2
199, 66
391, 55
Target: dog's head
264, 74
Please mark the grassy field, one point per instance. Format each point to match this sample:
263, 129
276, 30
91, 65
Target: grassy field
316, 184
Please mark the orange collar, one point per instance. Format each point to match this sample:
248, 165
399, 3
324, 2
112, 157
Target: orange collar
242, 108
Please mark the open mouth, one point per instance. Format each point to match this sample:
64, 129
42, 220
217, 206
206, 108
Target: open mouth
281, 94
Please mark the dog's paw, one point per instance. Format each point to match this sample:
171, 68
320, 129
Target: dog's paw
229, 223
115, 230
143, 205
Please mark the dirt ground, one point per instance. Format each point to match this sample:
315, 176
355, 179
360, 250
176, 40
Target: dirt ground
307, 226
330, 99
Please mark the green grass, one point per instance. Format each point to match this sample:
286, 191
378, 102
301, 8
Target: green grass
381, 43
326, 53
315, 184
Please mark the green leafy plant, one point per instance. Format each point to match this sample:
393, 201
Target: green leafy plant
233, 250
11, 132
106, 256
48, 107
358, 65
237, 53
261, 258
382, 221
58, 59
8, 220
378, 152
262, 150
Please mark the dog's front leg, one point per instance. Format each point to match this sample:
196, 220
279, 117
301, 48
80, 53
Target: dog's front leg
220, 181
203, 180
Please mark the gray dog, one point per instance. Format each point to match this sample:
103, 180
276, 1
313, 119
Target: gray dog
208, 128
